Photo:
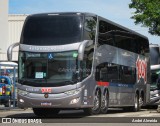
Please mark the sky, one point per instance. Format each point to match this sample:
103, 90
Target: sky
115, 10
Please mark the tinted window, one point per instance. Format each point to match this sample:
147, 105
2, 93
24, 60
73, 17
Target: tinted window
52, 30
107, 72
48, 69
115, 36
154, 55
128, 75
106, 35
86, 64
90, 28
110, 72
141, 46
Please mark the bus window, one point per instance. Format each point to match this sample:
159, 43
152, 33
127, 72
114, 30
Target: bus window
90, 28
107, 72
128, 75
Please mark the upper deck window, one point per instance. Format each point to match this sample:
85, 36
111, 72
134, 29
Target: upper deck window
52, 30
154, 55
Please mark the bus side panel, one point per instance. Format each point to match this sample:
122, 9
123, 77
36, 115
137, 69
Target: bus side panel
87, 93
119, 68
121, 95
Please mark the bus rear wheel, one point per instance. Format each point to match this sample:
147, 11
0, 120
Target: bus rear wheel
136, 106
97, 105
141, 101
105, 103
43, 112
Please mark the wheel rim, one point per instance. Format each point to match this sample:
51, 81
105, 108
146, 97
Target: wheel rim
136, 103
96, 101
140, 101
104, 102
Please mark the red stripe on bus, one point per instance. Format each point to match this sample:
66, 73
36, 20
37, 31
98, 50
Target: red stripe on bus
100, 83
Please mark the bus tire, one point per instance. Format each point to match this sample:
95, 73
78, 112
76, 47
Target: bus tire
97, 102
104, 103
141, 101
96, 105
136, 106
8, 103
45, 112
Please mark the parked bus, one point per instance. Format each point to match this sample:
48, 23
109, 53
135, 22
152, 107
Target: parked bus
81, 61
8, 79
7, 69
155, 74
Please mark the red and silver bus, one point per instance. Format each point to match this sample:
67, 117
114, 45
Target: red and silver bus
81, 61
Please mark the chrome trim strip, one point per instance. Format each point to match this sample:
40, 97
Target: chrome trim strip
51, 48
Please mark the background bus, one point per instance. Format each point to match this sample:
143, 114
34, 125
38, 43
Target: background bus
155, 73
8, 77
7, 69
81, 61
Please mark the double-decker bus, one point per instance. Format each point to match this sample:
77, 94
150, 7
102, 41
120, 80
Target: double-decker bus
155, 73
81, 61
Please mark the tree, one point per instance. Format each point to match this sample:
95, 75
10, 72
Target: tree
147, 13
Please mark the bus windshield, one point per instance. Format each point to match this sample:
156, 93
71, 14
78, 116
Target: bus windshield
48, 69
154, 54
52, 30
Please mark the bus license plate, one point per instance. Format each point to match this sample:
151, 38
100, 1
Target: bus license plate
46, 104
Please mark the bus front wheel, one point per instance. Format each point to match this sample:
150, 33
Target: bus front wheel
96, 105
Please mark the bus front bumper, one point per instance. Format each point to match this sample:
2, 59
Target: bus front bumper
62, 100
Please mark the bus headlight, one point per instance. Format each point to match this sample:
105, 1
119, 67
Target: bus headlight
22, 92
21, 100
74, 101
75, 91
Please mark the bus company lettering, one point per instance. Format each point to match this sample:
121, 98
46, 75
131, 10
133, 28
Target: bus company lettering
47, 48
141, 66
46, 90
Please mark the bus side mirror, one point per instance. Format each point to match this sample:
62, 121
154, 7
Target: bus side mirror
82, 47
10, 50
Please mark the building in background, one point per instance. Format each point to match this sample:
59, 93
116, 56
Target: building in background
10, 30
3, 27
15, 24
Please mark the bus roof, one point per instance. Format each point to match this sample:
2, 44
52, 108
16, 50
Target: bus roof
90, 14
64, 13
154, 45
8, 63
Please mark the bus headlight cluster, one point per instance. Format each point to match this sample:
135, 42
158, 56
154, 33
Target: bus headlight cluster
72, 92
75, 91
22, 92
